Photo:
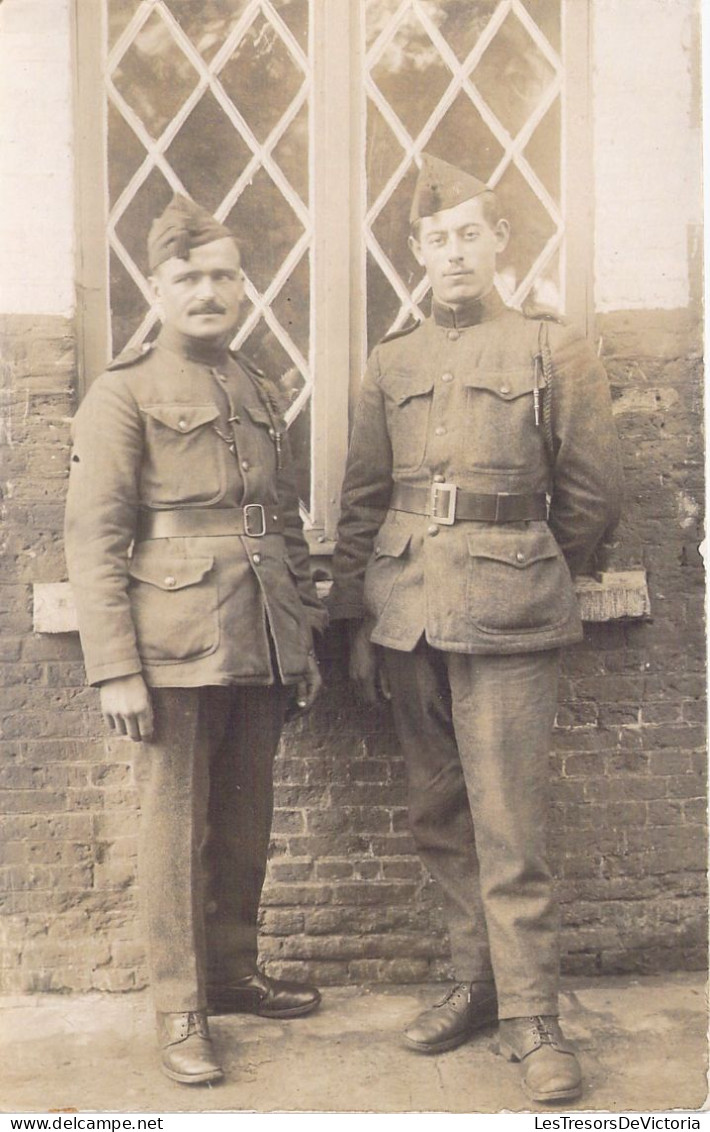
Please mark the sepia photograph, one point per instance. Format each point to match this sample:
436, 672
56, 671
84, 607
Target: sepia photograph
352, 433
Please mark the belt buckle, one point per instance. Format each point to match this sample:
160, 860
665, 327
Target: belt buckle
436, 504
247, 510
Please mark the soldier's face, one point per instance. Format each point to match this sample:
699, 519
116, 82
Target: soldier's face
459, 248
200, 296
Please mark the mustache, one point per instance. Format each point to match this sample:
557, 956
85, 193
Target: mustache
208, 307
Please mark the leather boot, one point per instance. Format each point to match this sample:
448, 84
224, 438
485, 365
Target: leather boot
186, 1049
467, 1007
550, 1070
257, 993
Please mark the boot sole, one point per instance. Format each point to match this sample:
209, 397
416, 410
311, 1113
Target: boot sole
218, 1009
449, 1043
194, 1078
570, 1094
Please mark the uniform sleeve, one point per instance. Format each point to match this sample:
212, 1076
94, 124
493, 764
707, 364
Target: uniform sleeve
296, 545
366, 494
100, 523
587, 476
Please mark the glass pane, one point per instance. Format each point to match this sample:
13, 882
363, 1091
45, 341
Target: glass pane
128, 307
530, 224
543, 150
299, 435
266, 227
261, 78
546, 291
383, 304
155, 76
391, 230
292, 306
461, 22
378, 14
132, 229
126, 151
547, 14
207, 133
513, 75
294, 14
208, 22
411, 75
463, 138
384, 153
291, 153
120, 13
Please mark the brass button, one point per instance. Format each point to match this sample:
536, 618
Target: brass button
520, 557
245, 465
447, 377
453, 336
170, 581
438, 478
182, 424
505, 390
221, 377
256, 559
440, 430
432, 529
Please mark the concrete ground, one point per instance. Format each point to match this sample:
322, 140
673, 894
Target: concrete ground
642, 1043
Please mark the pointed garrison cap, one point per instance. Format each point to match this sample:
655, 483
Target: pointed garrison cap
184, 225
440, 186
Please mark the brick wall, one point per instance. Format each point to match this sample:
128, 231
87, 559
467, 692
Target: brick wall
346, 898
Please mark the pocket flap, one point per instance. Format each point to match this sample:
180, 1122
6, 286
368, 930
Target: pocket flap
169, 573
401, 387
506, 384
182, 418
517, 548
391, 542
258, 414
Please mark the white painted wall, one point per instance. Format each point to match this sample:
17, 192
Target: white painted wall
647, 157
36, 173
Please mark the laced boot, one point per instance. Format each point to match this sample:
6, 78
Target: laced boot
550, 1070
186, 1049
467, 1007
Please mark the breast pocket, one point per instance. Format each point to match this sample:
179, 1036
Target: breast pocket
501, 431
174, 604
408, 400
386, 564
183, 460
517, 581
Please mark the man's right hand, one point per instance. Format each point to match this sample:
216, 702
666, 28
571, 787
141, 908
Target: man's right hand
366, 671
126, 706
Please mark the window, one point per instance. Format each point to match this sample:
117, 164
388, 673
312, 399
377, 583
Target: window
299, 123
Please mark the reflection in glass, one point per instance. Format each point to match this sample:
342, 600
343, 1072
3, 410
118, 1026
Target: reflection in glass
208, 22
464, 139
513, 75
261, 78
266, 227
462, 22
120, 13
154, 76
291, 153
411, 75
208, 154
294, 14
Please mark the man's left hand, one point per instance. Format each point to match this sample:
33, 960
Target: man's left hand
309, 686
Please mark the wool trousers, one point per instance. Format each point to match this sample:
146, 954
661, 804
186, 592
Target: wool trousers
475, 732
206, 792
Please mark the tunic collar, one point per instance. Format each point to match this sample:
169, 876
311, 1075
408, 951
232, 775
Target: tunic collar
205, 352
470, 314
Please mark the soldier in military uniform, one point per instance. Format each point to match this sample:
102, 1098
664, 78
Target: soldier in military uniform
483, 473
196, 610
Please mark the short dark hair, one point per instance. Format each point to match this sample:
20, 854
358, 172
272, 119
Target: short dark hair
491, 212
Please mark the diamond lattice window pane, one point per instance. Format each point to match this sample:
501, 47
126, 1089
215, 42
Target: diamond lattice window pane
128, 306
299, 435
132, 229
543, 150
208, 154
547, 14
464, 139
119, 15
261, 78
264, 348
267, 228
208, 22
383, 304
378, 14
391, 230
531, 226
154, 76
546, 291
384, 153
127, 153
411, 75
292, 306
462, 22
513, 75
294, 14
291, 153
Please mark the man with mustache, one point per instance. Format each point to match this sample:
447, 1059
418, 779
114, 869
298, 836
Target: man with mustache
483, 470
196, 610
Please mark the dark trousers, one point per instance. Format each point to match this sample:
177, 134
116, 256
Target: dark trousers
475, 731
206, 793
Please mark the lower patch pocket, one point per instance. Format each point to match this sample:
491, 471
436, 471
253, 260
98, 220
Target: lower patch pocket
518, 581
385, 566
174, 604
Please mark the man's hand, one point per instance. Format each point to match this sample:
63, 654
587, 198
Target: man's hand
309, 686
366, 671
125, 703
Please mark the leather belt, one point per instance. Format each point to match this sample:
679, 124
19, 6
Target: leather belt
254, 520
446, 503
